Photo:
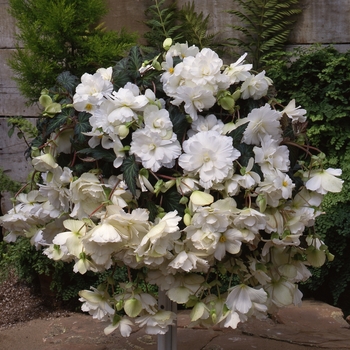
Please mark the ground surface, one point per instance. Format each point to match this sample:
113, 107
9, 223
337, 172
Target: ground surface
27, 322
19, 304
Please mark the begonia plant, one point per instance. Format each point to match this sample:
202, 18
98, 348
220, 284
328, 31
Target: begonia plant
187, 171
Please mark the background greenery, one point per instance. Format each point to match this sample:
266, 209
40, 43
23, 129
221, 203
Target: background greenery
61, 36
319, 80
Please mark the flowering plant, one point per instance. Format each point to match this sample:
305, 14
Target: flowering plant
188, 172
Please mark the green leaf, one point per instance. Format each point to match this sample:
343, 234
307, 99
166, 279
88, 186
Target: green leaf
121, 74
99, 153
133, 307
130, 171
237, 135
82, 126
180, 124
135, 62
59, 120
171, 201
68, 81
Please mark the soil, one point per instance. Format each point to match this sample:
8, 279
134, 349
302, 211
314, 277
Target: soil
20, 302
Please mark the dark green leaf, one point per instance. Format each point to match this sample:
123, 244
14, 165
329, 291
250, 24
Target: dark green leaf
98, 153
68, 81
60, 119
130, 171
180, 124
121, 74
135, 62
150, 205
171, 201
237, 135
82, 126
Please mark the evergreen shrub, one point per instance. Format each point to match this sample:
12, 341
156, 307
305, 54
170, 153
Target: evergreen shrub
319, 80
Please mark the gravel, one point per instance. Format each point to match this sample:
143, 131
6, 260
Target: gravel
19, 303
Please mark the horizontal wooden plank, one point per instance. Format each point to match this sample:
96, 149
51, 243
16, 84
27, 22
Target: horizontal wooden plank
11, 101
12, 160
323, 21
7, 27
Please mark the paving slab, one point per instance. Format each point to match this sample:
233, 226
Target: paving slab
313, 325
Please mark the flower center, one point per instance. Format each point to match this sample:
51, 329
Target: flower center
206, 158
222, 239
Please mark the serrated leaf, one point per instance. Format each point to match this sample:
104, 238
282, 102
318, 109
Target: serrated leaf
237, 134
121, 74
135, 62
58, 120
81, 126
179, 121
130, 171
171, 201
150, 205
98, 153
68, 81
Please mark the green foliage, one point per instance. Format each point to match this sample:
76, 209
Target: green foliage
162, 23
61, 35
55, 278
319, 80
7, 184
265, 26
182, 25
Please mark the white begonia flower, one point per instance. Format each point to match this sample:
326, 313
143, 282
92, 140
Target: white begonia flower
188, 260
275, 187
182, 50
186, 185
196, 99
152, 150
87, 194
209, 155
255, 86
55, 188
61, 141
209, 122
158, 323
72, 239
96, 303
238, 71
205, 241
296, 114
124, 325
271, 156
45, 162
324, 181
132, 227
106, 73
160, 239
244, 299
90, 93
249, 178
56, 252
262, 121
229, 241
160, 278
283, 293
184, 286
251, 219
84, 264
126, 101
158, 120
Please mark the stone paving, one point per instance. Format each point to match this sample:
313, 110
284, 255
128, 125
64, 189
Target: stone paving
313, 325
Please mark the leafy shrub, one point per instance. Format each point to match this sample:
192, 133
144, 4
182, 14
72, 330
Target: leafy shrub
319, 80
57, 36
